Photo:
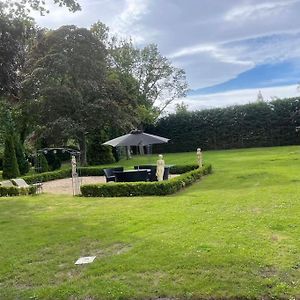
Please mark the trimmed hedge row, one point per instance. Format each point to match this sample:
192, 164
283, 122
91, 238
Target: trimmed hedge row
47, 176
92, 171
15, 191
145, 188
180, 169
61, 174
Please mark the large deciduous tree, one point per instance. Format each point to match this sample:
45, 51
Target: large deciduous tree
159, 82
73, 92
16, 28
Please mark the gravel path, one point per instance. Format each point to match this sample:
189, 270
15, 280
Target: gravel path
64, 186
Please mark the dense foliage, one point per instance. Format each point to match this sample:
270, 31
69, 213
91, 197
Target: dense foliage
42, 164
10, 163
67, 80
20, 155
98, 154
257, 124
16, 191
92, 171
64, 86
131, 189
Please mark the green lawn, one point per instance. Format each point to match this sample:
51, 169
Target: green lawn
234, 234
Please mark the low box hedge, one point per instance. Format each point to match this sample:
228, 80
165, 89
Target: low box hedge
180, 169
47, 176
128, 189
91, 171
15, 191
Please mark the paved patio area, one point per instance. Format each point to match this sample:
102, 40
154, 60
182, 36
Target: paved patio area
64, 186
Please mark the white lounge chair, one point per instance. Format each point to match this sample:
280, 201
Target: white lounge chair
21, 183
6, 183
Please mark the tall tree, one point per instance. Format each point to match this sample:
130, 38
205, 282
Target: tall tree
10, 164
16, 28
68, 79
159, 82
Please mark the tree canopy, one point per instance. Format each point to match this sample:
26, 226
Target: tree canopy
159, 83
67, 78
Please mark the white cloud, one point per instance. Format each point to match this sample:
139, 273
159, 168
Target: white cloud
221, 54
127, 23
236, 97
210, 39
261, 10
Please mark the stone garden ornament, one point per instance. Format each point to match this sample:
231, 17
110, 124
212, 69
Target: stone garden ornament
160, 168
199, 158
75, 178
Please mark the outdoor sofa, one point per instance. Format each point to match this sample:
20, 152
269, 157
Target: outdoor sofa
110, 173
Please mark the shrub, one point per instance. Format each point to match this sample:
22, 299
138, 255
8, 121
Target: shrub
1, 161
42, 165
161, 188
90, 171
54, 162
98, 154
47, 176
20, 155
10, 164
15, 191
180, 169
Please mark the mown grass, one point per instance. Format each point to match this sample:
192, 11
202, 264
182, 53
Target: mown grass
233, 235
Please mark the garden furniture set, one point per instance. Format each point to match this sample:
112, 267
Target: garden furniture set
140, 173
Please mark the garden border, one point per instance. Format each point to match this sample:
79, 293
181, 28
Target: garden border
92, 171
161, 188
16, 191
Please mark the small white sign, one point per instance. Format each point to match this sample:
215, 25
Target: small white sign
85, 260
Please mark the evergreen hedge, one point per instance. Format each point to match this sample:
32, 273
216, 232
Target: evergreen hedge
129, 189
47, 176
10, 164
91, 171
42, 165
180, 169
20, 155
259, 124
15, 191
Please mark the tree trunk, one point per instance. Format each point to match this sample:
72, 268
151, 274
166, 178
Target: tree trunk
83, 150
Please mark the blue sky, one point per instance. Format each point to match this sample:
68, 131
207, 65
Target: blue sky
229, 49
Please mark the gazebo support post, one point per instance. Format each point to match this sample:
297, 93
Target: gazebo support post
128, 152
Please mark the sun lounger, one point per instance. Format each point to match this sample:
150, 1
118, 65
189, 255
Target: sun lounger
6, 183
21, 183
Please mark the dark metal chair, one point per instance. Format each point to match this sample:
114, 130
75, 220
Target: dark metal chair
138, 175
110, 173
166, 173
